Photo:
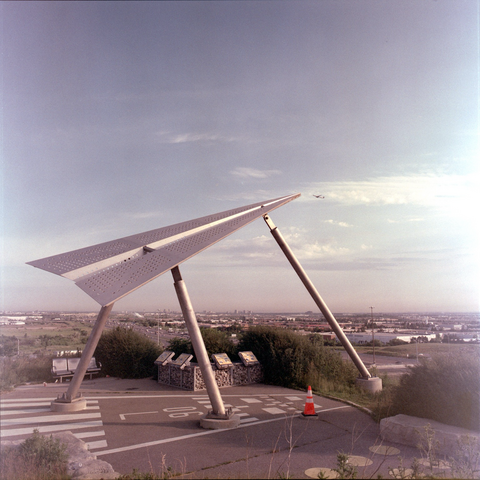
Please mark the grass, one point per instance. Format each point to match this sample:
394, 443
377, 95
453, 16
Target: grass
410, 349
37, 458
17, 370
64, 335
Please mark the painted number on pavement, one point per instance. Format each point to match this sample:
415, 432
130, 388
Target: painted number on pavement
178, 412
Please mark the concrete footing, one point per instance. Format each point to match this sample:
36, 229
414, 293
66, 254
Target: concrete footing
219, 423
412, 431
73, 406
371, 384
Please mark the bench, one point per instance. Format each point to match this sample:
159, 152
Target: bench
66, 367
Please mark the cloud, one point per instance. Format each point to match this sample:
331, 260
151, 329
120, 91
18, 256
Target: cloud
246, 172
416, 219
172, 138
339, 224
423, 190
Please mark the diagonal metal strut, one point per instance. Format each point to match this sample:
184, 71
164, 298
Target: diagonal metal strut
316, 297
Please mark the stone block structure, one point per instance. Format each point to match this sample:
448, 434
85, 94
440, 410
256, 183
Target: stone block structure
190, 377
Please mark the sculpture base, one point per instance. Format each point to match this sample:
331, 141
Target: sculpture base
371, 385
73, 406
210, 423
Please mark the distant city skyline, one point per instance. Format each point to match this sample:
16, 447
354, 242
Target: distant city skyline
122, 117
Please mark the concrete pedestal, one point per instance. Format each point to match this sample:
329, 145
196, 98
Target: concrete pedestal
73, 406
210, 423
371, 385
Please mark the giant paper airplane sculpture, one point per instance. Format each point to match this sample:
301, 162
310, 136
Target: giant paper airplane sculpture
109, 271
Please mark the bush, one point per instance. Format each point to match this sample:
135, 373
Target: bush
18, 370
445, 388
125, 353
215, 341
180, 345
292, 360
37, 458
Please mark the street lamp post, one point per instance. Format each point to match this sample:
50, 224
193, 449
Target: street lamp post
373, 336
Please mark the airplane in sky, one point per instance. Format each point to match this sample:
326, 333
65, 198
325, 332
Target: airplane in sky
319, 196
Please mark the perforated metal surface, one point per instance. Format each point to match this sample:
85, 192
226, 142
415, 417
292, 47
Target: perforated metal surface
109, 271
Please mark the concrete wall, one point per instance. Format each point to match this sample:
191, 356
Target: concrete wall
190, 378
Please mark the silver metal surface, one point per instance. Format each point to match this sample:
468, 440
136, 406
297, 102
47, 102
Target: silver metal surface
317, 298
109, 271
87, 354
197, 343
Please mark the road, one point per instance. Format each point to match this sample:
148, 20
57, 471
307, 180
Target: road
385, 365
140, 424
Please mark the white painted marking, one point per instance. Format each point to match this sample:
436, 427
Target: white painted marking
182, 437
25, 400
251, 400
203, 401
293, 398
248, 420
273, 410
50, 428
97, 444
24, 412
48, 419
4, 407
34, 400
100, 433
244, 414
122, 415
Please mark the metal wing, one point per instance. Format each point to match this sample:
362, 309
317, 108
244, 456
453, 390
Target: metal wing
109, 271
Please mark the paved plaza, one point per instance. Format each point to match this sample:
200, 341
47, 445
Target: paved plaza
139, 424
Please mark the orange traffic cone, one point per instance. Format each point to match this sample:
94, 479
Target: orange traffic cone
309, 410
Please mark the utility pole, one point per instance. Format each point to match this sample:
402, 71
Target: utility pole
373, 336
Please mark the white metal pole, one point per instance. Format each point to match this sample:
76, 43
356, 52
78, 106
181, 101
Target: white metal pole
317, 298
198, 345
373, 337
87, 354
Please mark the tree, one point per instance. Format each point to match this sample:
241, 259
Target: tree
45, 341
215, 342
125, 353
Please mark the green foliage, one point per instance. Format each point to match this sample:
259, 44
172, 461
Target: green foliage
125, 353
345, 469
43, 452
18, 370
37, 458
396, 341
292, 360
180, 345
444, 388
215, 342
8, 346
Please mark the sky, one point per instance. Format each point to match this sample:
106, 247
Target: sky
122, 117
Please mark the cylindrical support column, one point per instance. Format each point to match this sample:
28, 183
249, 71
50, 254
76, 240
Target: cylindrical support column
71, 395
198, 345
317, 298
